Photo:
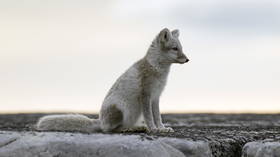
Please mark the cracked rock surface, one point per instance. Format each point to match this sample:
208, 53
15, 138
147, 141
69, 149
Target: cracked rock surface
265, 148
49, 144
196, 135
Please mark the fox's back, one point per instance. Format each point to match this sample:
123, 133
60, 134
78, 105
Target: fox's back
127, 87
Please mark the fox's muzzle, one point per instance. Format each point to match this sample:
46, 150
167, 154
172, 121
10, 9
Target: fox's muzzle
182, 59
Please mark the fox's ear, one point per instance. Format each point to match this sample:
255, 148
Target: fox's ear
175, 33
164, 35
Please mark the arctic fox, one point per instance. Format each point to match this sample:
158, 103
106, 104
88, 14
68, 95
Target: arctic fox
133, 100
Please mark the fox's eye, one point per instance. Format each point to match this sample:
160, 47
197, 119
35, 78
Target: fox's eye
175, 48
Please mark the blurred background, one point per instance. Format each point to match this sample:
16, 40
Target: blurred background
64, 55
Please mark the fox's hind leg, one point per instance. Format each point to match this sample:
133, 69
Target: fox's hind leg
111, 119
138, 125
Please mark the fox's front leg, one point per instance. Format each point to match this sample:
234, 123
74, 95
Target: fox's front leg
156, 114
148, 114
157, 117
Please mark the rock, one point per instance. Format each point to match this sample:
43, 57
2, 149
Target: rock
189, 148
195, 135
265, 148
50, 144
8, 137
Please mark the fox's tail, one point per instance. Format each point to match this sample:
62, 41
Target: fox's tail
68, 122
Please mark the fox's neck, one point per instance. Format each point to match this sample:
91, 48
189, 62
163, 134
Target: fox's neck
154, 58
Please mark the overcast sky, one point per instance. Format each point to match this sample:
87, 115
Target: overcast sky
64, 55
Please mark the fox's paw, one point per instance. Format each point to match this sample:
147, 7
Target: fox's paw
161, 130
153, 130
165, 130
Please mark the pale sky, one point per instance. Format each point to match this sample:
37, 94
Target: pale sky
64, 55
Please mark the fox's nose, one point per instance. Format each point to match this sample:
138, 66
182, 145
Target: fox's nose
187, 60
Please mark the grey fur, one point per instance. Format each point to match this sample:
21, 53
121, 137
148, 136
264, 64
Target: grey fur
71, 122
133, 100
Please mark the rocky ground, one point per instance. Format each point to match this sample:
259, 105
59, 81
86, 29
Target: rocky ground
196, 135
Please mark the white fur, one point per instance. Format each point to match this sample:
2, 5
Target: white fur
71, 122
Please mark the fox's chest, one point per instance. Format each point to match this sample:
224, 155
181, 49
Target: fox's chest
157, 85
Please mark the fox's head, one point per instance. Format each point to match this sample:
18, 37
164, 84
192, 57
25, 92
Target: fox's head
170, 47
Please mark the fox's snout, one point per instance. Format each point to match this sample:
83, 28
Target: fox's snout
183, 59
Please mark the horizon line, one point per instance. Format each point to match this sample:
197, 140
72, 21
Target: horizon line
163, 112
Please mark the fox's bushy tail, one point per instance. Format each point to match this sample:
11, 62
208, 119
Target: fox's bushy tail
68, 122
